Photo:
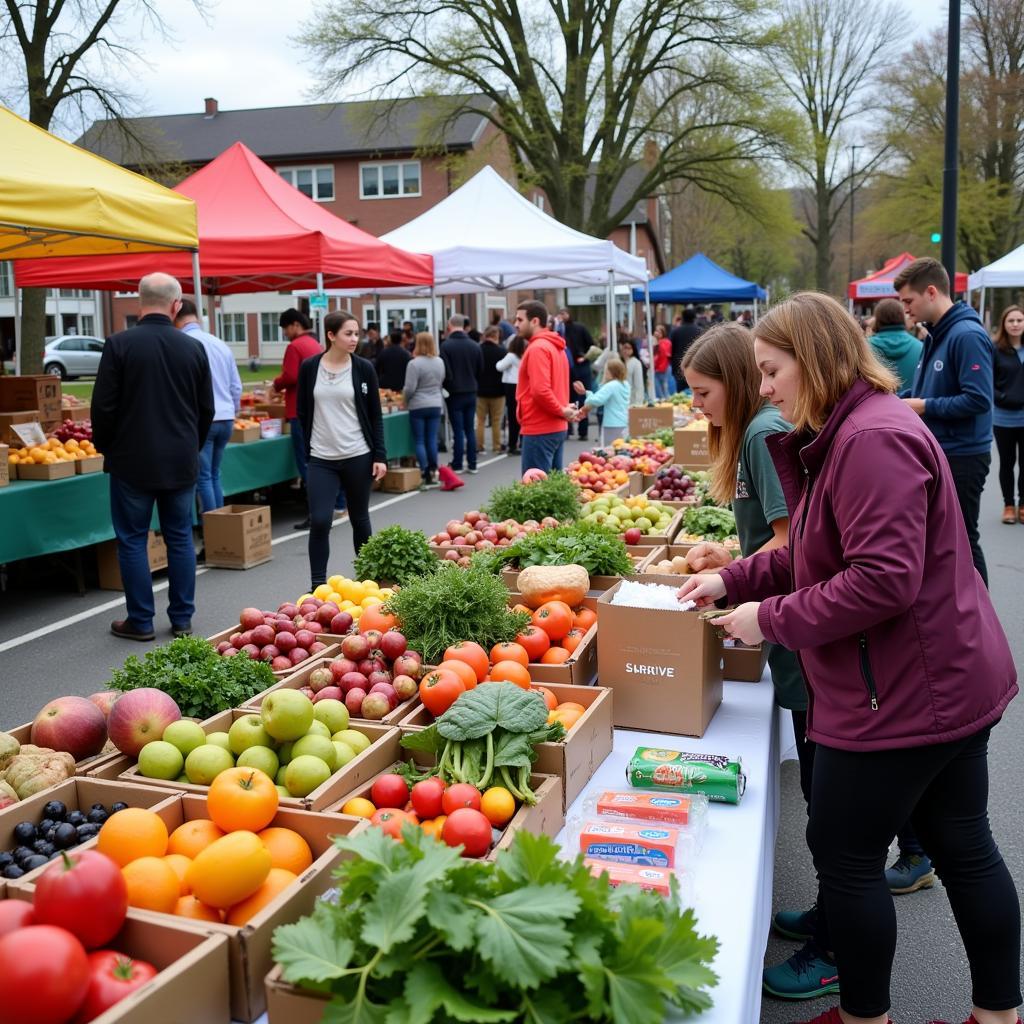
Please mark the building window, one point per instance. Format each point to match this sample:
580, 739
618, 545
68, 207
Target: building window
315, 182
389, 181
232, 328
6, 280
270, 330
538, 201
88, 324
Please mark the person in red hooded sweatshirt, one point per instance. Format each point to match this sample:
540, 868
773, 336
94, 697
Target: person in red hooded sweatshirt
907, 666
542, 394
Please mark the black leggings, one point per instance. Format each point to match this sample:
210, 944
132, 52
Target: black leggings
1010, 445
513, 419
324, 477
858, 800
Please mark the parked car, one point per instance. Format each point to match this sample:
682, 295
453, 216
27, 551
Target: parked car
72, 355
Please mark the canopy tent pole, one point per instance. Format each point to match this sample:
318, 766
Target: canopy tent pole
17, 331
197, 290
981, 308
647, 318
58, 326
319, 313
433, 313
610, 311
755, 309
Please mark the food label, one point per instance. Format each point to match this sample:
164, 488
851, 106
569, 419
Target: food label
646, 806
719, 777
629, 844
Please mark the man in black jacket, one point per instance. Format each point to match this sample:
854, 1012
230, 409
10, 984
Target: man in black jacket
151, 409
578, 343
463, 364
392, 362
682, 337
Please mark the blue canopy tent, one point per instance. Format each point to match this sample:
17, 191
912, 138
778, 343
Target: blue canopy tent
701, 280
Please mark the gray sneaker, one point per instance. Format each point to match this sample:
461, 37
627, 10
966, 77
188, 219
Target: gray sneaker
909, 873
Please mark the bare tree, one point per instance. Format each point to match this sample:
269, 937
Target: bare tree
829, 55
569, 82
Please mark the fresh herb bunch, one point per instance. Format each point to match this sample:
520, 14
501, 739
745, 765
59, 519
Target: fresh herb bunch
395, 554
453, 604
556, 496
597, 548
710, 522
486, 738
191, 671
420, 935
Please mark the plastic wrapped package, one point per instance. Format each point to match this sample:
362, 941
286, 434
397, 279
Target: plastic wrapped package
717, 776
686, 811
657, 880
643, 844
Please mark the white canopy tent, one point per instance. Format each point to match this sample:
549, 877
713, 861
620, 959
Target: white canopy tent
1006, 272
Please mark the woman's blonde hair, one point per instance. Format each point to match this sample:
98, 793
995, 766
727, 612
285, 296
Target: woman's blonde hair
615, 369
424, 345
726, 353
829, 347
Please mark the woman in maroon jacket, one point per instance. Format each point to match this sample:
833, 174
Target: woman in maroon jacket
906, 664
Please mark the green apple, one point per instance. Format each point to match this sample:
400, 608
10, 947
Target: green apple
280, 776
317, 746
182, 778
219, 739
305, 772
160, 760
248, 732
343, 753
317, 728
205, 763
287, 714
185, 735
331, 713
283, 791
262, 758
356, 740
284, 753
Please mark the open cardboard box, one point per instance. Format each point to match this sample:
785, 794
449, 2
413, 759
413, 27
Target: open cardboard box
744, 664
249, 945
649, 419
299, 678
650, 540
46, 471
581, 668
192, 966
330, 650
237, 536
664, 666
381, 752
93, 464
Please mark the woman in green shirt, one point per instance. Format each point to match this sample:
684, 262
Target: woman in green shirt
722, 372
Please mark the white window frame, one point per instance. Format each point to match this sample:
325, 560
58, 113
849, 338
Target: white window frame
271, 320
290, 172
221, 319
88, 320
379, 165
6, 280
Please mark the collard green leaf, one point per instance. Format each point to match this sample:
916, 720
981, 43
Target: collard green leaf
513, 749
427, 989
428, 739
496, 705
308, 951
398, 904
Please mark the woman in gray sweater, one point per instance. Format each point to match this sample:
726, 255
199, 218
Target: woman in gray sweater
423, 379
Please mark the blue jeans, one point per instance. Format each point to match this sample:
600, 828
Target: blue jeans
664, 384
208, 485
424, 424
462, 409
131, 512
542, 451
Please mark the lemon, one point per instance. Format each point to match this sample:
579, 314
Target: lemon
370, 600
334, 582
321, 592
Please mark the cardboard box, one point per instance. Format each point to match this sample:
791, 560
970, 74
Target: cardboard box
93, 464
42, 471
237, 536
8, 419
40, 392
691, 446
400, 479
382, 752
5, 466
664, 666
636, 483
581, 668
330, 649
272, 410
743, 664
646, 420
249, 946
243, 435
287, 1004
76, 412
110, 569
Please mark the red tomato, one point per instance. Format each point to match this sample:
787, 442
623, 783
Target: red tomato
426, 799
472, 654
45, 975
535, 641
469, 829
112, 976
390, 820
84, 892
389, 791
15, 914
439, 690
462, 794
555, 618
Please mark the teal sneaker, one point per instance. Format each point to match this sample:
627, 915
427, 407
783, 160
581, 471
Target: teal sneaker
807, 974
796, 924
909, 873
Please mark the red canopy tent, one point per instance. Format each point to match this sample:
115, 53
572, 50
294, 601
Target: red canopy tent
879, 284
256, 233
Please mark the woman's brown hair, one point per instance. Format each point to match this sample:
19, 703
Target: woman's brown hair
829, 347
1002, 336
726, 353
425, 344
615, 369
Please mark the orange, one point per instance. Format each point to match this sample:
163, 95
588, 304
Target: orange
359, 807
288, 849
472, 654
193, 837
498, 806
229, 870
583, 618
549, 698
277, 881
511, 672
189, 906
180, 865
567, 717
242, 799
374, 618
463, 670
152, 884
571, 705
434, 826
510, 652
132, 833
555, 656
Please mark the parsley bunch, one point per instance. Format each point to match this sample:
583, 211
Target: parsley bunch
710, 522
597, 548
556, 496
419, 934
395, 554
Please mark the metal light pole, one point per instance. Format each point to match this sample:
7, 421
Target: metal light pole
853, 173
950, 169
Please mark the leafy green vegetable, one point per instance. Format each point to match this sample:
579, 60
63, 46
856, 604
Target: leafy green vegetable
597, 548
453, 604
419, 935
557, 496
710, 522
498, 706
395, 554
201, 682
666, 435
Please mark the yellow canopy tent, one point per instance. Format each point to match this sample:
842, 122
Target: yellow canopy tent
59, 200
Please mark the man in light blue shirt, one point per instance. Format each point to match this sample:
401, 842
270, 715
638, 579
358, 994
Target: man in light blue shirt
227, 395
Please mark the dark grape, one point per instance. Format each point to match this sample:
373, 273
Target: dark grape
98, 816
76, 818
24, 831
37, 860
55, 809
66, 837
120, 805
12, 871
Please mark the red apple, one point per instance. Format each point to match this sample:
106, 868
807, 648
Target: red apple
281, 663
230, 652
379, 676
140, 716
285, 641
353, 681
326, 612
250, 618
263, 635
104, 700
269, 652
329, 693
340, 666
451, 555
341, 623
313, 626
317, 647
355, 646
373, 637
405, 687
409, 664
223, 646
303, 638
320, 677
297, 655
393, 644
306, 692
252, 650
72, 724
354, 701
633, 535
288, 610
284, 626
375, 706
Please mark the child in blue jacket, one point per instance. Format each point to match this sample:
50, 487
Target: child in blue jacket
613, 397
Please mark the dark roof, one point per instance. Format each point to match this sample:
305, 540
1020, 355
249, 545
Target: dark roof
631, 178
274, 133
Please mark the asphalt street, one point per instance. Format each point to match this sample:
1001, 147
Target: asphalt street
55, 642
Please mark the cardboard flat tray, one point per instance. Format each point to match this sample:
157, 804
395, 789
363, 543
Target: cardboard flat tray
93, 464
51, 471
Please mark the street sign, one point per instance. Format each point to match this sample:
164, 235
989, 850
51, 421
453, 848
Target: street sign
318, 300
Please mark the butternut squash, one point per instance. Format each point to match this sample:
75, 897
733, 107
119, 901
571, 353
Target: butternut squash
541, 583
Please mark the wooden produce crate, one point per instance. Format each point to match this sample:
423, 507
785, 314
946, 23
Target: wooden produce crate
93, 464
46, 471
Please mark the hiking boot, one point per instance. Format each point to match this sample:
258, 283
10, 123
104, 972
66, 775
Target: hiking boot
909, 873
830, 1016
1010, 514
183, 629
126, 631
807, 974
796, 924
